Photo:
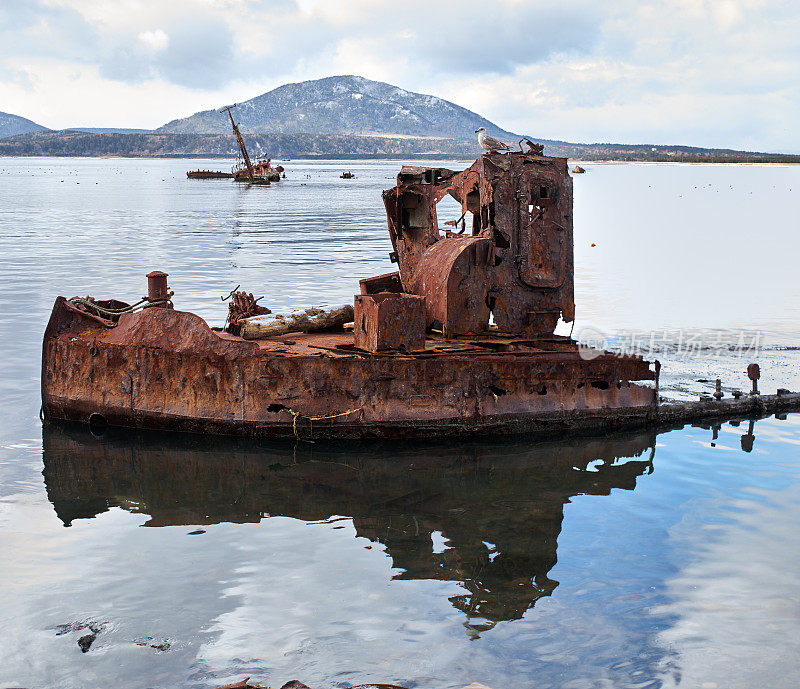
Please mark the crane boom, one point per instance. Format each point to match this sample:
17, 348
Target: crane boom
242, 148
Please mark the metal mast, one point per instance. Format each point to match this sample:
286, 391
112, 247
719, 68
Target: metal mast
241, 143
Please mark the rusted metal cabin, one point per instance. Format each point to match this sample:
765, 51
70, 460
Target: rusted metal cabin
458, 341
513, 262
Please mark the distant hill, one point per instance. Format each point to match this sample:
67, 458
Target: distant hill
342, 105
75, 143
11, 125
108, 130
336, 117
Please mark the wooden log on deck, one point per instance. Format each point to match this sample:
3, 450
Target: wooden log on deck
269, 325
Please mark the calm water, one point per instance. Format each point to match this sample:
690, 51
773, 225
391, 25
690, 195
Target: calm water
625, 561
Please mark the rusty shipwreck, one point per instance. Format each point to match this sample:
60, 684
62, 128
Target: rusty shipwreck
459, 341
256, 171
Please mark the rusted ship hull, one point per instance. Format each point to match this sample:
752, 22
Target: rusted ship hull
167, 369
265, 178
208, 174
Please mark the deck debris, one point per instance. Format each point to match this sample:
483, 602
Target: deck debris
307, 320
242, 305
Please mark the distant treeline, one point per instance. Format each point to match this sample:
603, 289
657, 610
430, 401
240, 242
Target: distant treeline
66, 143
71, 143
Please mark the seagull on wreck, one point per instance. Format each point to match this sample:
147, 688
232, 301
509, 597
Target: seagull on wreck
489, 143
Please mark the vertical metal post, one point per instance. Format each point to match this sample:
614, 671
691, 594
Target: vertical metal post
754, 373
157, 289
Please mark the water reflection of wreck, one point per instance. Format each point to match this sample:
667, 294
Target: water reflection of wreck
501, 532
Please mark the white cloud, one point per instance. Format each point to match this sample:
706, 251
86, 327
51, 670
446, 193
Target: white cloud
156, 39
699, 72
58, 94
736, 610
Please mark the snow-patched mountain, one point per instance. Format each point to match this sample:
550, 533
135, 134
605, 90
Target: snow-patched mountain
11, 125
342, 105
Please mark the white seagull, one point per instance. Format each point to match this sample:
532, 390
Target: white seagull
489, 143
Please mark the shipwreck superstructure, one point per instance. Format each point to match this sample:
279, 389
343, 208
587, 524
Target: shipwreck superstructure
458, 341
515, 260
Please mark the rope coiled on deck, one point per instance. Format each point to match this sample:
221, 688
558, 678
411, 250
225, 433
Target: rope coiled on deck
143, 303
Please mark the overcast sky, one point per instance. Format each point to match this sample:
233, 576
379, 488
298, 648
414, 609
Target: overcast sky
721, 73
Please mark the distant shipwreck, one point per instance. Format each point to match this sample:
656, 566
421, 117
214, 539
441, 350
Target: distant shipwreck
259, 171
459, 341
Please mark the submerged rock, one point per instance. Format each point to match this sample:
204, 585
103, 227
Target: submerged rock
242, 684
245, 684
85, 642
158, 645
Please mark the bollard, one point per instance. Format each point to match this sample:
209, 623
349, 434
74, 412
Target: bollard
718, 390
157, 289
754, 373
